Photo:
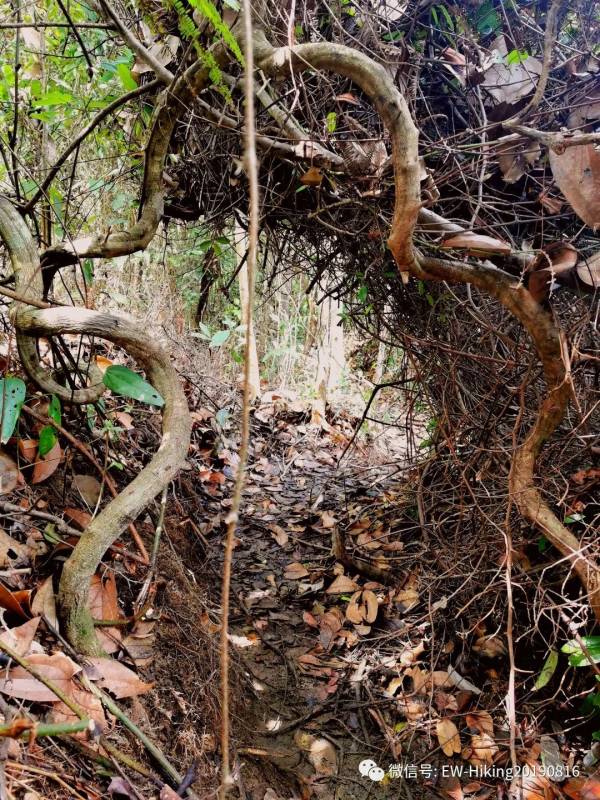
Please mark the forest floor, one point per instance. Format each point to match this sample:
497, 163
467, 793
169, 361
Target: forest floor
362, 667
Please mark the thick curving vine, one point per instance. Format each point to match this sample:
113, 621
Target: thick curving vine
123, 330
549, 340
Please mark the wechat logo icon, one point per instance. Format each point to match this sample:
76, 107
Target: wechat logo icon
369, 769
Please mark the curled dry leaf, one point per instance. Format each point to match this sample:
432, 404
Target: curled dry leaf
588, 271
476, 244
9, 473
28, 448
12, 553
81, 518
89, 488
577, 173
11, 601
363, 607
490, 646
480, 721
45, 466
448, 737
323, 757
509, 83
531, 787
483, 748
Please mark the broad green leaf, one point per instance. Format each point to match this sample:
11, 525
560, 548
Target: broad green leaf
516, 57
219, 338
88, 271
12, 397
577, 658
55, 98
548, 670
126, 77
487, 19
54, 410
126, 382
331, 122
47, 440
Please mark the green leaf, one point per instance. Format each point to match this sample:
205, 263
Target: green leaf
88, 271
577, 658
50, 534
573, 518
55, 98
126, 77
12, 397
54, 410
331, 122
543, 544
47, 440
516, 57
219, 338
126, 382
548, 670
222, 416
487, 19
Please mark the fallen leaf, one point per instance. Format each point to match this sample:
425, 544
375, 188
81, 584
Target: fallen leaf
45, 466
515, 156
323, 757
483, 749
44, 602
312, 177
480, 721
89, 488
103, 604
327, 519
448, 737
589, 271
121, 787
58, 668
28, 449
295, 571
20, 638
166, 793
509, 83
582, 788
532, 786
119, 679
278, 533
9, 473
461, 683
12, 553
577, 173
81, 518
89, 704
490, 646
103, 363
342, 585
9, 601
124, 419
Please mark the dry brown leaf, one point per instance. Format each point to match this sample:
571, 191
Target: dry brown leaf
480, 721
447, 734
476, 244
342, 585
371, 606
103, 363
87, 701
10, 601
589, 271
58, 668
531, 787
452, 789
577, 173
483, 749
103, 604
330, 623
166, 793
312, 177
413, 709
278, 533
323, 757
295, 571
420, 678
45, 466
28, 449
582, 788
44, 602
9, 473
515, 156
12, 553
124, 419
327, 519
393, 686
119, 679
508, 84
163, 51
490, 646
89, 488
21, 637
81, 518
445, 702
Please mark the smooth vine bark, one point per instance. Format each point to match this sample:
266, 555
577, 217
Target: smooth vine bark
548, 339
126, 332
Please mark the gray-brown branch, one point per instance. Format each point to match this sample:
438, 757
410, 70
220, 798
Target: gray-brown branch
126, 332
